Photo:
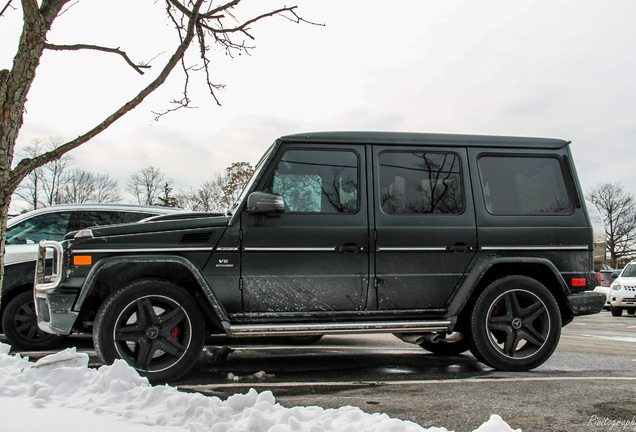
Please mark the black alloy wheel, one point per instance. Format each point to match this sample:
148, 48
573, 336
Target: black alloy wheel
20, 325
515, 324
154, 325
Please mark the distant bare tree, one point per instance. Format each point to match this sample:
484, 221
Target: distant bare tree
55, 174
188, 200
44, 186
146, 185
83, 186
618, 209
29, 189
106, 189
219, 193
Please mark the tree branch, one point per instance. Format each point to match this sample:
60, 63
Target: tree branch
78, 47
6, 7
27, 165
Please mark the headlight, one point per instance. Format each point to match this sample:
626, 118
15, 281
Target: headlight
616, 286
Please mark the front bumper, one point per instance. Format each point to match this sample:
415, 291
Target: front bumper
626, 299
587, 302
55, 314
54, 309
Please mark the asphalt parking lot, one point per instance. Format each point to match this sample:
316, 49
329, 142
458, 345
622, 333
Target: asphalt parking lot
589, 384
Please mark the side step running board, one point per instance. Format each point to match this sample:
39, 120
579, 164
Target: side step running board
306, 329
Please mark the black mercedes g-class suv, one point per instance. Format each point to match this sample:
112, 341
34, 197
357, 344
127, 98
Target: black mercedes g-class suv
453, 242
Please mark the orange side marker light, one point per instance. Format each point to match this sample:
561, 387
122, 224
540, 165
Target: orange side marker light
82, 260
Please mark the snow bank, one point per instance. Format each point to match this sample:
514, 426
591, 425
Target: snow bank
60, 390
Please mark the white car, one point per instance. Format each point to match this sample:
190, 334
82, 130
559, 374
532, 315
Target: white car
606, 278
622, 295
24, 232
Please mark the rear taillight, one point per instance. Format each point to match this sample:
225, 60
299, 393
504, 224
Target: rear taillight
579, 282
598, 279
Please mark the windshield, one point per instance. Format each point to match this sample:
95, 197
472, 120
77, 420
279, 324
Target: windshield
255, 175
630, 271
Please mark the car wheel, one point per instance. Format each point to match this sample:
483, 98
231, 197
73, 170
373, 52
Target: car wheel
302, 340
154, 325
631, 311
20, 325
616, 311
515, 324
454, 344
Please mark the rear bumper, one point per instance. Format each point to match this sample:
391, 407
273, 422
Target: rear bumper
587, 303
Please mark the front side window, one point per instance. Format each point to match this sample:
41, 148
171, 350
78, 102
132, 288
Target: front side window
420, 183
317, 181
525, 185
50, 226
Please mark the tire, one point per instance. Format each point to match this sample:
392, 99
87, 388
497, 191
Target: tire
515, 324
302, 340
454, 344
616, 312
154, 325
20, 325
631, 311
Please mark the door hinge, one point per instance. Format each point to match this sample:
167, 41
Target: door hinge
240, 284
241, 235
376, 282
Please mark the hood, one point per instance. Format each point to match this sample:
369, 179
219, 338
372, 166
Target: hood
160, 224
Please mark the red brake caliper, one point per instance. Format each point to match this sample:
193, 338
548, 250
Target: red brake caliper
175, 331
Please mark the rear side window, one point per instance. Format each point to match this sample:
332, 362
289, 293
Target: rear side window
523, 185
317, 181
420, 183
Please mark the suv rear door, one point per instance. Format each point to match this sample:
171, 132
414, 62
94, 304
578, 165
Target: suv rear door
424, 223
315, 256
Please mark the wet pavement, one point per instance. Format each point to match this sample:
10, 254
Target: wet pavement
589, 382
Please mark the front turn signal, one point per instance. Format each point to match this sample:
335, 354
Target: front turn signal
82, 260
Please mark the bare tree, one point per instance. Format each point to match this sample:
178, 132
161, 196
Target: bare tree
30, 188
206, 21
43, 187
79, 187
146, 185
55, 175
106, 189
618, 209
83, 186
219, 193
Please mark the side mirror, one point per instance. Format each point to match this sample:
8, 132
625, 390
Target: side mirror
265, 203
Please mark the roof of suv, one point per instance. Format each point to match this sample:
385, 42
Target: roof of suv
412, 138
88, 207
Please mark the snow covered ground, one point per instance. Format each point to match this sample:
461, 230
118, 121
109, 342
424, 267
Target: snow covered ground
60, 393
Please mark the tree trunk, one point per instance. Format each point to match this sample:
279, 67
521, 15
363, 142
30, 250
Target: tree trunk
14, 87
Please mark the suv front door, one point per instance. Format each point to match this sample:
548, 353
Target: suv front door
315, 256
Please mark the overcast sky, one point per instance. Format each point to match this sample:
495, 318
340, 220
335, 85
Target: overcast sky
549, 68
